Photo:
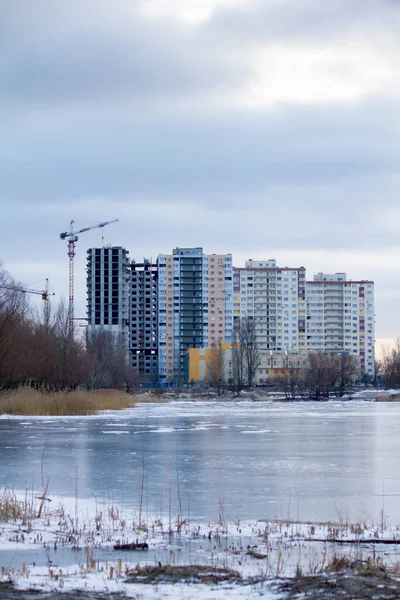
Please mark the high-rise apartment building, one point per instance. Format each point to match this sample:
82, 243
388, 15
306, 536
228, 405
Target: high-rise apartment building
194, 306
340, 317
144, 319
274, 297
108, 282
193, 300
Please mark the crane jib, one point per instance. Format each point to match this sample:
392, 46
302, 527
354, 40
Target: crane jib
72, 238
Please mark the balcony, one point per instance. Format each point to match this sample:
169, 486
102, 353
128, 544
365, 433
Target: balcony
191, 320
190, 278
190, 314
191, 265
191, 299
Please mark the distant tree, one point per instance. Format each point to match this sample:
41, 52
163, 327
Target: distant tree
377, 372
291, 384
390, 365
107, 361
13, 318
245, 355
248, 343
44, 359
320, 374
72, 361
326, 373
40, 348
216, 367
238, 365
348, 367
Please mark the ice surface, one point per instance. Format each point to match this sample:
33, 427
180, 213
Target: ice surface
227, 467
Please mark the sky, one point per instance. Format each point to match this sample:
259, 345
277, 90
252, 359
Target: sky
263, 128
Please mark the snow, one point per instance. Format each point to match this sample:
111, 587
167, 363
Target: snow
259, 550
76, 579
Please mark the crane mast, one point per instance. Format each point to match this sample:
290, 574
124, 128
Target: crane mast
72, 237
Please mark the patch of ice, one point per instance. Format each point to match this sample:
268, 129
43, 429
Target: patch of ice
257, 431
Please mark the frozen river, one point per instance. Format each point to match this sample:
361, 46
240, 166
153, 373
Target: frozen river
308, 461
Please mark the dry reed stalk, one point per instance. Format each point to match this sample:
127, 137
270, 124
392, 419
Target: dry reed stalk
12, 509
27, 401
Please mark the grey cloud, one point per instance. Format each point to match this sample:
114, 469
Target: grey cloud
304, 20
230, 153
104, 59
67, 53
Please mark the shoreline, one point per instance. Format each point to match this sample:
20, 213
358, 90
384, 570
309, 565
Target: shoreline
263, 554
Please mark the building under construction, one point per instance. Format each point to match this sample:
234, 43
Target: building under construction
122, 299
108, 292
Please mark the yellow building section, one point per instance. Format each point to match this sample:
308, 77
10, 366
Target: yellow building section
201, 362
284, 372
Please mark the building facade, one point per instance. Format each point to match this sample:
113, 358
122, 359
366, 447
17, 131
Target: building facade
274, 297
205, 362
329, 313
189, 299
194, 306
144, 319
340, 317
271, 365
108, 291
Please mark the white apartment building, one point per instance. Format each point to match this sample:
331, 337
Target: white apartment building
274, 297
194, 306
340, 317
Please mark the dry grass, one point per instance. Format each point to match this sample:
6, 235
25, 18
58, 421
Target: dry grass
338, 563
12, 509
388, 398
26, 401
185, 573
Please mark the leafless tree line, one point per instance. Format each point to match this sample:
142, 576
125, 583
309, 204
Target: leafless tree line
40, 349
324, 374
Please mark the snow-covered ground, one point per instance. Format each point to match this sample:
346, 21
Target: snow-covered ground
260, 551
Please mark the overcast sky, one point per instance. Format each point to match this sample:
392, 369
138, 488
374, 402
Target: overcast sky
264, 128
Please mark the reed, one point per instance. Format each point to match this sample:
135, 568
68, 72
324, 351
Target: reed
27, 401
14, 509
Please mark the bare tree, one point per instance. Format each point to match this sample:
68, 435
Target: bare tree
216, 367
290, 384
245, 354
349, 367
13, 318
248, 343
71, 352
238, 366
377, 373
391, 365
107, 361
44, 363
326, 372
320, 374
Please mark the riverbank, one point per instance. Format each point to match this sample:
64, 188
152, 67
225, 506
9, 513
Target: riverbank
26, 401
174, 557
358, 581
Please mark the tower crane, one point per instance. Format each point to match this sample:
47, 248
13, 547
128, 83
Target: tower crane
72, 237
18, 288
